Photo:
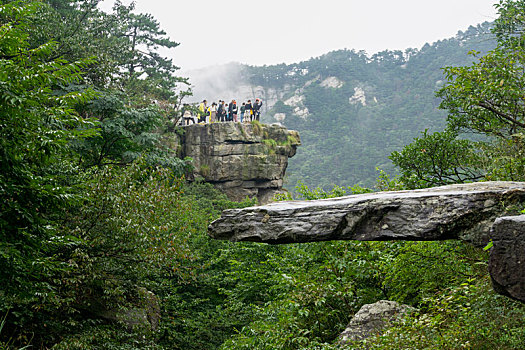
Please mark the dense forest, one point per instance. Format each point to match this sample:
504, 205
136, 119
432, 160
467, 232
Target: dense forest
353, 110
104, 245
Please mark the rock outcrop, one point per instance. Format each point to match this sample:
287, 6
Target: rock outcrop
144, 315
466, 212
372, 319
241, 159
507, 256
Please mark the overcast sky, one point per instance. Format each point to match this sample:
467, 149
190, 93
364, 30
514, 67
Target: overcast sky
275, 31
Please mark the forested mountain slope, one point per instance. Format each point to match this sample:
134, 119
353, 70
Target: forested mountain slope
353, 110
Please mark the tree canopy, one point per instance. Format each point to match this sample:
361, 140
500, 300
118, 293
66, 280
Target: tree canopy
485, 98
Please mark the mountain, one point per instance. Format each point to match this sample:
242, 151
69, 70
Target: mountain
351, 109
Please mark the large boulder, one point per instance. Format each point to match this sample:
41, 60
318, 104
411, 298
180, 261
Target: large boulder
507, 256
240, 159
373, 319
464, 212
143, 315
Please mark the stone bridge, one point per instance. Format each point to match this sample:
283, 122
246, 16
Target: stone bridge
474, 213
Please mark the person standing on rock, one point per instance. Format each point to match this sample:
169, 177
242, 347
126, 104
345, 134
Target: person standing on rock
220, 111
243, 109
186, 116
233, 111
208, 115
213, 112
202, 111
257, 109
248, 111
230, 111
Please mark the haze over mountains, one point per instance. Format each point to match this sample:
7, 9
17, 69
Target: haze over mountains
352, 110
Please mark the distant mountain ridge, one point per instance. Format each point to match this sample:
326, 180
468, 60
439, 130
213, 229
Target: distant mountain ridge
352, 110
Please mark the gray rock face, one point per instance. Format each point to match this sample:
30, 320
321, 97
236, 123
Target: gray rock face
241, 159
372, 319
463, 212
144, 315
507, 256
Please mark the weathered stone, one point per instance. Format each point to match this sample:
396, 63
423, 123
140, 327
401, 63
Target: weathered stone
240, 159
464, 211
144, 315
237, 193
507, 256
373, 319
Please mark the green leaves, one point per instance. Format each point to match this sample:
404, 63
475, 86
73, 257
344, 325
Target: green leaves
486, 98
37, 175
438, 159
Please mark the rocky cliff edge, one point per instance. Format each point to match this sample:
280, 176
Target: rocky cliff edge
240, 159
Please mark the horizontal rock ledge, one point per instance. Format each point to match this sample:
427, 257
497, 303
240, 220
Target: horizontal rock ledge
464, 211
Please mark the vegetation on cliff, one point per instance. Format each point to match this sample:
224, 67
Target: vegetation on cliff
95, 213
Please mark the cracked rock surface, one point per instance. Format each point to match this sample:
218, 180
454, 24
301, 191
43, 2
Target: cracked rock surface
464, 211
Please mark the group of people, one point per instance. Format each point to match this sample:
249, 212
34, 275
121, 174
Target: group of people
225, 112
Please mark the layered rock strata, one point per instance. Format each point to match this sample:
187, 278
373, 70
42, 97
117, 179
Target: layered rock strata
464, 212
243, 160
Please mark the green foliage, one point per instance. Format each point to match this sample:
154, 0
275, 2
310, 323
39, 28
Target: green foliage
484, 98
270, 143
257, 127
384, 183
467, 316
148, 221
314, 289
505, 158
343, 140
108, 337
196, 312
303, 192
36, 167
134, 226
292, 140
437, 159
422, 269
126, 133
64, 243
138, 92
84, 237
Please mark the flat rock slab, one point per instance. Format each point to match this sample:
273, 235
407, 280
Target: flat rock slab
465, 211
